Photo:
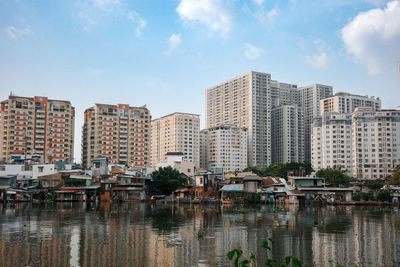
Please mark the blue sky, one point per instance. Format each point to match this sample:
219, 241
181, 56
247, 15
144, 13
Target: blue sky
165, 53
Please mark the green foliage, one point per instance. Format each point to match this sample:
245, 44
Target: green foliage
280, 169
375, 184
256, 170
367, 196
394, 179
253, 198
384, 195
236, 254
356, 197
334, 176
167, 180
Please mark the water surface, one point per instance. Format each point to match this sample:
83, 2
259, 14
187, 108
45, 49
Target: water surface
74, 234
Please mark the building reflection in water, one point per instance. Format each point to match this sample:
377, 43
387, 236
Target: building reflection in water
141, 235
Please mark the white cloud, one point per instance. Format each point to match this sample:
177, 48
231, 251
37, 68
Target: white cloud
252, 52
18, 33
373, 37
267, 17
93, 11
173, 42
212, 13
319, 61
323, 55
259, 2
140, 23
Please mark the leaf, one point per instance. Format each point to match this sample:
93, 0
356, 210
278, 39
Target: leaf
296, 262
266, 245
287, 259
231, 254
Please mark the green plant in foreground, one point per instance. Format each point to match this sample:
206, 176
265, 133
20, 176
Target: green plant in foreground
236, 255
239, 261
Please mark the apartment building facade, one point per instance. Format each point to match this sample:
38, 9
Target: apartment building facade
176, 132
287, 134
244, 101
223, 146
347, 103
310, 97
375, 142
37, 126
121, 133
284, 94
331, 141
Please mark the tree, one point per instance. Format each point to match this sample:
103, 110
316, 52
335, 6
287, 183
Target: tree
167, 180
280, 169
334, 176
395, 177
255, 170
384, 195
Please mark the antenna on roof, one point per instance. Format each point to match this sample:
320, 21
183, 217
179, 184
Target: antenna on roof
11, 93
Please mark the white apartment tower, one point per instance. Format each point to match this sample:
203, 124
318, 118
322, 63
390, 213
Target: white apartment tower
347, 103
284, 94
310, 97
287, 134
244, 101
331, 142
223, 146
176, 132
375, 142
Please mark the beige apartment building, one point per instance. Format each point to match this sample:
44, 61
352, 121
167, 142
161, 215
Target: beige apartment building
37, 126
331, 141
347, 103
120, 133
244, 101
223, 146
375, 142
176, 132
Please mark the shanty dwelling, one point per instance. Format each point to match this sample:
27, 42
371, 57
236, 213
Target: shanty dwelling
6, 185
282, 192
328, 193
252, 184
232, 193
128, 194
74, 189
305, 181
128, 188
51, 180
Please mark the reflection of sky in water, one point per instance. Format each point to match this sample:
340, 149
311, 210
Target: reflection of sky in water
141, 235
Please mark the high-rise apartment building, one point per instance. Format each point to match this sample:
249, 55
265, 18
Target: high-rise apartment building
331, 142
120, 133
375, 142
176, 132
347, 103
244, 101
37, 126
223, 146
284, 94
364, 142
310, 97
287, 134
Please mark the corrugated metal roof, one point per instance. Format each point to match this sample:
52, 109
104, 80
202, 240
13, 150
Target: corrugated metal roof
232, 188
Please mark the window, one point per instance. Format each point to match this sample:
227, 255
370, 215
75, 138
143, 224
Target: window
40, 168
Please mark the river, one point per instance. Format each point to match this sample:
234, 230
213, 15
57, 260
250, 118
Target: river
79, 234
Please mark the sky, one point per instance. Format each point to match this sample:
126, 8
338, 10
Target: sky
165, 53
